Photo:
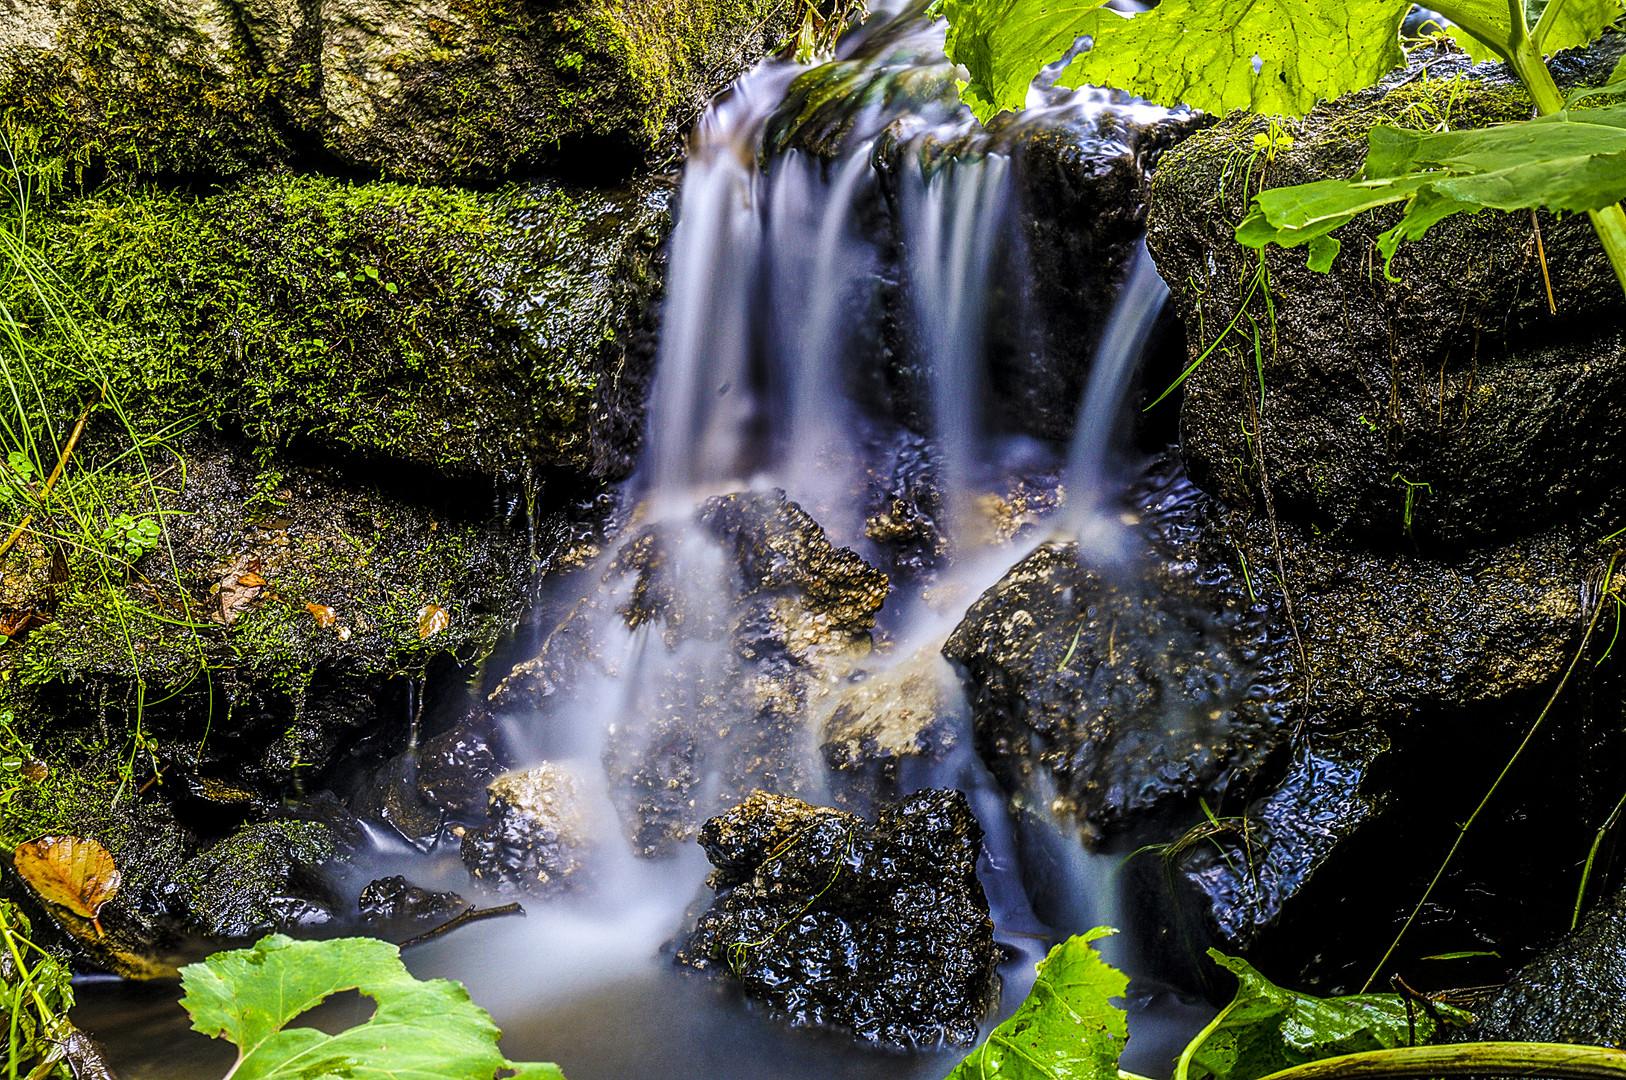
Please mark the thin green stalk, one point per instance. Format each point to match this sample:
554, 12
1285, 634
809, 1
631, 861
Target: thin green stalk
1462, 830
1610, 222
1591, 857
1562, 1060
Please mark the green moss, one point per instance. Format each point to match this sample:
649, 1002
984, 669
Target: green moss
144, 97
357, 315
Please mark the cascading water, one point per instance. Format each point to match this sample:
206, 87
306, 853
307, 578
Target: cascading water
841, 284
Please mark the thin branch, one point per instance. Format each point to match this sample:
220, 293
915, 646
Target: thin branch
471, 915
1562, 1060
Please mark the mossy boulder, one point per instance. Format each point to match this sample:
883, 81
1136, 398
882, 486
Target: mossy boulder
1446, 409
469, 335
452, 89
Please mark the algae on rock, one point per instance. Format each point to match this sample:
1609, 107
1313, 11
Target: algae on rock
430, 92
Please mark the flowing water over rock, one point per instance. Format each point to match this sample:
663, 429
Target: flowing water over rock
883, 323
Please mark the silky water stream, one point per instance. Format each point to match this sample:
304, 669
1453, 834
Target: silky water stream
850, 299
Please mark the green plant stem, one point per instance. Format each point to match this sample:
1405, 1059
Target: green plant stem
1610, 222
1562, 1060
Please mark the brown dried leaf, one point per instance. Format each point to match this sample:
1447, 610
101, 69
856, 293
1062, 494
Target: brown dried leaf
35, 770
71, 871
324, 615
251, 580
431, 621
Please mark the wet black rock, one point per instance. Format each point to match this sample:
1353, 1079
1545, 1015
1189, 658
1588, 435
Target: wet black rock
396, 904
455, 767
879, 928
751, 597
263, 878
1118, 696
390, 797
1574, 992
538, 836
1446, 409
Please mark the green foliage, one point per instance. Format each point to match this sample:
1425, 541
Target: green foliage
1066, 1029
425, 1030
1266, 1029
130, 538
35, 996
1569, 161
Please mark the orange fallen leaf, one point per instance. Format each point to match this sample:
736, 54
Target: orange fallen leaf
71, 871
324, 615
251, 580
431, 621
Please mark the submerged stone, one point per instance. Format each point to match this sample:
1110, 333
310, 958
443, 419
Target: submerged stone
537, 838
881, 928
397, 904
1573, 992
887, 723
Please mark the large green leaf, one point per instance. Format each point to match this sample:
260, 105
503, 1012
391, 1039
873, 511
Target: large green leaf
1266, 1028
419, 1031
1004, 43
1567, 162
1203, 53
1564, 24
1066, 1029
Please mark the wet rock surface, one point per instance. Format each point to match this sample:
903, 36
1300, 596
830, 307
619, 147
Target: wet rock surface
746, 616
1119, 695
396, 905
881, 928
1446, 410
888, 723
537, 838
1574, 992
430, 92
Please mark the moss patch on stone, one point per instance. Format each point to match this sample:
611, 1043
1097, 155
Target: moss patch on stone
360, 316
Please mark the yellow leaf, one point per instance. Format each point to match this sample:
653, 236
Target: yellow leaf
251, 581
324, 615
431, 621
70, 871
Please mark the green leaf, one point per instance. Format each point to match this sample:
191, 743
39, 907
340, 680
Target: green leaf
1004, 43
1567, 162
1066, 1029
1484, 28
1202, 53
419, 1031
1564, 24
1266, 1028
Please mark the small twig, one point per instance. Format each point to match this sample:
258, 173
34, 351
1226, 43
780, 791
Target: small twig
56, 474
1541, 255
471, 915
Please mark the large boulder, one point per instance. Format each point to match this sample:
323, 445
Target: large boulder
1446, 408
425, 91
538, 836
881, 928
1119, 695
459, 334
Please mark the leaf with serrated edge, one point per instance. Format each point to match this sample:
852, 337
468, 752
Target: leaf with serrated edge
1575, 22
1066, 1029
1202, 52
1004, 43
419, 1031
1267, 1028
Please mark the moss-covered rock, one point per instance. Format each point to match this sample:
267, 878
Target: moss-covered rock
464, 333
431, 92
1445, 409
